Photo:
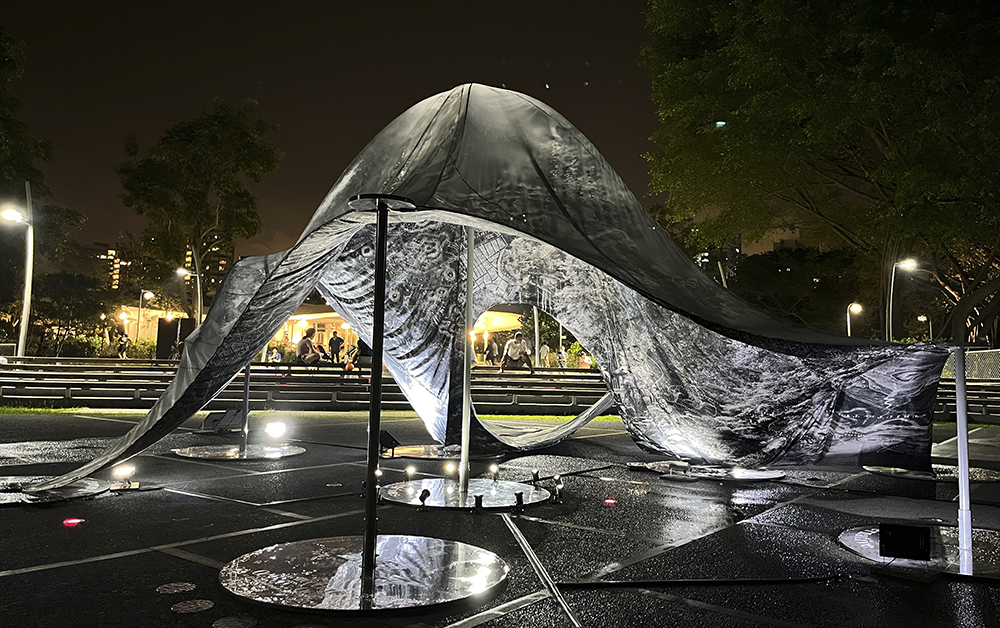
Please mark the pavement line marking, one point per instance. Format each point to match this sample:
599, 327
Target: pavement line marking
69, 563
157, 548
194, 558
574, 526
770, 621
133, 423
575, 437
260, 506
539, 568
499, 611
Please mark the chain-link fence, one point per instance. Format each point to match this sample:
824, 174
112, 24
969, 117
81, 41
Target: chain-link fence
978, 365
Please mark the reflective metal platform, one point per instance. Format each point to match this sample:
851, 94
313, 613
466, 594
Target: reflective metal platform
938, 473
675, 470
11, 492
325, 574
945, 556
232, 452
445, 493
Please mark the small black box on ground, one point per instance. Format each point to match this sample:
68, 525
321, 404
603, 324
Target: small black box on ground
902, 541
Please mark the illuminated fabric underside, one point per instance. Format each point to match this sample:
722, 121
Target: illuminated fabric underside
695, 371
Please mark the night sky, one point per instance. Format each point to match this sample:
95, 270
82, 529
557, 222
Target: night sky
330, 74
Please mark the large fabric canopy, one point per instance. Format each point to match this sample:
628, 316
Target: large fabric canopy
696, 373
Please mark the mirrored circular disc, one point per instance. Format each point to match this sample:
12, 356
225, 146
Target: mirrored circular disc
864, 541
938, 473
434, 452
232, 452
325, 574
446, 493
12, 493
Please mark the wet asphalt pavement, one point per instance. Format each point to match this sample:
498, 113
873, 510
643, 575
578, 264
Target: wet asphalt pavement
706, 552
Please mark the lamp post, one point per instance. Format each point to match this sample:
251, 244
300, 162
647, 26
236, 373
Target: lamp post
183, 272
930, 326
12, 214
906, 264
143, 294
853, 308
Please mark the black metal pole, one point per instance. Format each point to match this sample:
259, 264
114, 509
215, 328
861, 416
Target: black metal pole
374, 412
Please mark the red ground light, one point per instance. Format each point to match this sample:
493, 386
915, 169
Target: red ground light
611, 501
72, 522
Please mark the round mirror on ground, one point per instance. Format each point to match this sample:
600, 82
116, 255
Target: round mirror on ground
865, 541
411, 572
482, 494
233, 452
938, 473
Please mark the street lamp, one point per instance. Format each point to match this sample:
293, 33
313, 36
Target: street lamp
906, 264
930, 326
13, 214
143, 294
853, 308
183, 272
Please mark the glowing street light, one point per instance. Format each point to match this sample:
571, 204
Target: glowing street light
853, 308
907, 265
183, 272
930, 325
13, 214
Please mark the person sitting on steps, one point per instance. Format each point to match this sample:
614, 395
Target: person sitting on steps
305, 350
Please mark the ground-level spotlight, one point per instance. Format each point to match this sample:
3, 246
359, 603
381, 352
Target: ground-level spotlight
424, 494
495, 470
519, 500
124, 473
478, 502
275, 430
410, 471
610, 501
72, 522
534, 477
449, 468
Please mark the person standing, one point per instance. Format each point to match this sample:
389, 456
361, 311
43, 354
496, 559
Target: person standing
561, 357
543, 355
492, 352
336, 346
124, 342
515, 353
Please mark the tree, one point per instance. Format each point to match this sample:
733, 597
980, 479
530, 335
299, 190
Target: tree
18, 150
67, 303
192, 183
869, 125
806, 285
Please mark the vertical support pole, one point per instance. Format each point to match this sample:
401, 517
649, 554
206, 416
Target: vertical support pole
245, 429
534, 310
964, 502
848, 321
470, 276
374, 410
29, 262
888, 322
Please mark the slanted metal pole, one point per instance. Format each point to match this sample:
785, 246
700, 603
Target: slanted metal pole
374, 410
245, 429
964, 503
463, 467
29, 263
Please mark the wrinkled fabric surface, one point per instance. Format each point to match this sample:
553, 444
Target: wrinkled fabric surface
695, 372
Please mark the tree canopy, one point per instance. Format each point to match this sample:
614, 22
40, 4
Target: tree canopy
192, 183
18, 150
871, 125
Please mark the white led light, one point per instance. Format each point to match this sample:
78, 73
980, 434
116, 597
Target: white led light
274, 430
